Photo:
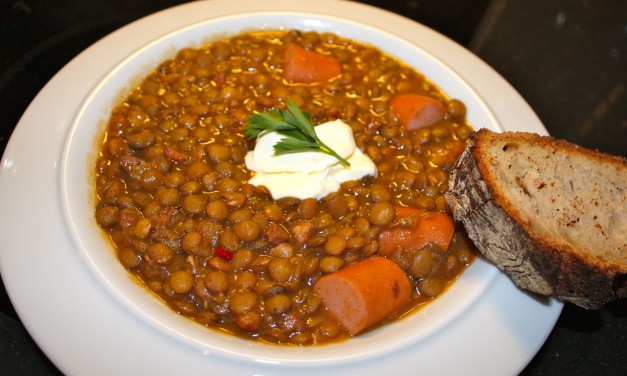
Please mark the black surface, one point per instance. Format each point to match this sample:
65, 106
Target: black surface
567, 58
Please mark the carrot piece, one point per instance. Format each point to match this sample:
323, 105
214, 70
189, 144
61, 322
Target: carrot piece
430, 227
364, 293
416, 111
302, 66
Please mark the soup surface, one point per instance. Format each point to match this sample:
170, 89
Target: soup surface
175, 199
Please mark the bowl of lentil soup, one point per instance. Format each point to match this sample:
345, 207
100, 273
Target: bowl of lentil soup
233, 248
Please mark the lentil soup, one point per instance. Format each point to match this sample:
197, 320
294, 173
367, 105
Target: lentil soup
175, 199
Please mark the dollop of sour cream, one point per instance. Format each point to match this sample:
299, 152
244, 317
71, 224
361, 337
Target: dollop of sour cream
308, 174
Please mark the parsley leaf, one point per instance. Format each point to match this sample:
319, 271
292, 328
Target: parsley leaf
295, 125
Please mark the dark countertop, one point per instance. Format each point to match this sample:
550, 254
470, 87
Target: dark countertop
567, 58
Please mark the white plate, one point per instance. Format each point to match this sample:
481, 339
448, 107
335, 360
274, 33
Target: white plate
84, 330
77, 192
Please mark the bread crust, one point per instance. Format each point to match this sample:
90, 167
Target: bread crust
535, 259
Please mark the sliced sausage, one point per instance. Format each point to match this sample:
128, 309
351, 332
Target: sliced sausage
364, 293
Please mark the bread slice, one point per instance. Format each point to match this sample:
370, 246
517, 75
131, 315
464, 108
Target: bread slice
550, 214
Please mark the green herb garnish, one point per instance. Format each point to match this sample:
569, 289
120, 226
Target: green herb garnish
295, 125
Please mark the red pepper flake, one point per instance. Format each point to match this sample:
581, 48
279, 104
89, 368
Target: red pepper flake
223, 253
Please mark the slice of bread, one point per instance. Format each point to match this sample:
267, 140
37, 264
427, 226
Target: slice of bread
550, 214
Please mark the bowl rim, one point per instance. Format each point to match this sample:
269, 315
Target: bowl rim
230, 346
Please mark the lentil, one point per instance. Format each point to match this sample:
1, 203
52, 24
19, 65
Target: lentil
173, 194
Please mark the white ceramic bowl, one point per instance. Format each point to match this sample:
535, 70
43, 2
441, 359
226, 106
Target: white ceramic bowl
78, 197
